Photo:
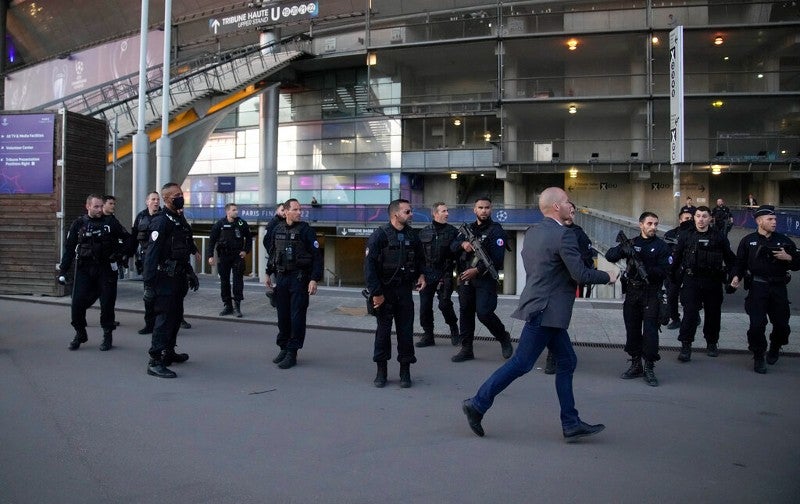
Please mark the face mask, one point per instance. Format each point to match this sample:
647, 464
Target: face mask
177, 202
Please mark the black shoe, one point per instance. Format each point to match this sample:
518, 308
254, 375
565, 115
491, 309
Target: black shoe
116, 323
773, 354
405, 375
686, 352
759, 364
80, 337
237, 309
550, 364
650, 375
157, 368
455, 335
473, 417
289, 361
107, 342
712, 350
184, 325
426, 340
145, 330
380, 378
506, 347
175, 358
635, 371
281, 355
582, 430
226, 311
675, 324
463, 355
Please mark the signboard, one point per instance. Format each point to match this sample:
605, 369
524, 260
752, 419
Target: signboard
264, 17
226, 184
354, 232
676, 117
26, 153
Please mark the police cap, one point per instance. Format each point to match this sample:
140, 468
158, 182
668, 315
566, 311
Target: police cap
764, 210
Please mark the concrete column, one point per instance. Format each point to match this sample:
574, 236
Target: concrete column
267, 155
639, 197
770, 192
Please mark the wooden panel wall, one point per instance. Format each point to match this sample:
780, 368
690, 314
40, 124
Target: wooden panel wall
30, 231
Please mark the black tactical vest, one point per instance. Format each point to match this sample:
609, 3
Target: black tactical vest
437, 245
290, 253
95, 242
397, 258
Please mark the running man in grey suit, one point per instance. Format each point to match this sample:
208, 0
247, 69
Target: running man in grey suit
553, 268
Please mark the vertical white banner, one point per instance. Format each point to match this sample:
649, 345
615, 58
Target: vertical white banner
676, 95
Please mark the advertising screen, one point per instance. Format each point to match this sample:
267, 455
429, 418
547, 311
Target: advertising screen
26, 153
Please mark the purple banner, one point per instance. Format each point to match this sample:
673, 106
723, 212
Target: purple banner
26, 153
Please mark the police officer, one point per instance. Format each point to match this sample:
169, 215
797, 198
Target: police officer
167, 277
93, 242
139, 230
685, 222
643, 291
689, 206
722, 216
477, 290
231, 238
296, 261
394, 259
277, 218
763, 261
438, 269
702, 258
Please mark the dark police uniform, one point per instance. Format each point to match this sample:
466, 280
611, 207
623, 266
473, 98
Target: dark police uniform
588, 254
295, 259
765, 278
722, 218
672, 284
642, 301
267, 242
394, 259
140, 230
701, 262
95, 243
438, 269
167, 273
229, 239
479, 295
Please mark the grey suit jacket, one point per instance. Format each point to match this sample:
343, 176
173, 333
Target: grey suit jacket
553, 269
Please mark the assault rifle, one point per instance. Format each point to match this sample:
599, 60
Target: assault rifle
480, 254
633, 261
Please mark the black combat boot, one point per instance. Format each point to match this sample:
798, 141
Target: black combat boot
405, 375
227, 310
649, 374
157, 368
281, 355
80, 337
145, 330
506, 347
380, 378
425, 340
464, 354
712, 350
635, 371
237, 309
184, 325
773, 353
171, 357
550, 363
686, 352
455, 335
107, 340
759, 363
290, 360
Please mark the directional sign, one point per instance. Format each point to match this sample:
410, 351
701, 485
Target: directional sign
26, 153
264, 17
354, 231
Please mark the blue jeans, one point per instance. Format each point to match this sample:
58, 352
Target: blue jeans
532, 341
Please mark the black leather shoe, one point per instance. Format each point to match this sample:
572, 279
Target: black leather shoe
463, 355
175, 358
145, 330
226, 311
184, 324
157, 368
473, 417
381, 376
289, 361
686, 352
107, 344
675, 324
425, 341
581, 431
712, 350
281, 355
116, 323
550, 364
773, 354
405, 376
506, 347
455, 335
759, 364
80, 337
